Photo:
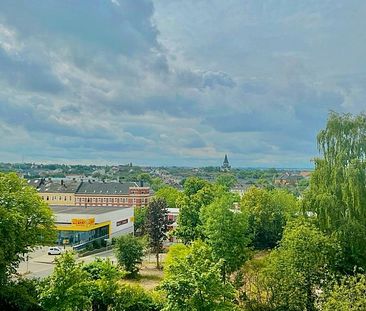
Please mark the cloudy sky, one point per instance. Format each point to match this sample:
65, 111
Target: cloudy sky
176, 82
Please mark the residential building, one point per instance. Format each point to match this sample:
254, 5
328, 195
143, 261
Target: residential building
127, 194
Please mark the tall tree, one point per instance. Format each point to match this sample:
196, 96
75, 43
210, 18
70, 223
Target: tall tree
189, 222
337, 194
195, 281
268, 212
25, 222
67, 289
170, 194
157, 225
226, 231
299, 267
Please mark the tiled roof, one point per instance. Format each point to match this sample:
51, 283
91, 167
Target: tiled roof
106, 188
59, 186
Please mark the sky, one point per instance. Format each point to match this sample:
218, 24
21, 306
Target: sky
173, 82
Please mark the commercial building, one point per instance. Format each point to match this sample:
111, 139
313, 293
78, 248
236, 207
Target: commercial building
80, 225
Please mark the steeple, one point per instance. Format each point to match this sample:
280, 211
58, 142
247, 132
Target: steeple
225, 165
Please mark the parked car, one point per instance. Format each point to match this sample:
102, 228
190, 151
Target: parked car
54, 250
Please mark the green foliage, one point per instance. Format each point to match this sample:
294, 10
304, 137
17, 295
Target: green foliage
268, 212
67, 288
19, 295
102, 269
129, 251
337, 193
157, 183
26, 222
170, 195
195, 282
189, 222
176, 252
349, 294
297, 269
226, 180
226, 231
140, 215
134, 298
193, 184
157, 225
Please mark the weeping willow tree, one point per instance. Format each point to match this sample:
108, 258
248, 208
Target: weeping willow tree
337, 193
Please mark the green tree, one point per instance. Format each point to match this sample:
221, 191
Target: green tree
140, 215
226, 231
268, 212
193, 184
157, 183
103, 285
25, 222
20, 295
349, 294
226, 180
337, 194
189, 222
170, 194
300, 265
195, 282
67, 289
157, 225
129, 251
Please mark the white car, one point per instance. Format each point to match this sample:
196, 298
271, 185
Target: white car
54, 250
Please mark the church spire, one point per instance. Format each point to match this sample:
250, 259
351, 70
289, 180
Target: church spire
225, 165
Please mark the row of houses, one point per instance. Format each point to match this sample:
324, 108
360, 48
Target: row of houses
92, 193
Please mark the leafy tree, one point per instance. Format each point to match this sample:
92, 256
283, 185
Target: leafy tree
300, 265
129, 251
103, 285
25, 222
195, 282
189, 222
140, 215
67, 288
226, 180
349, 294
157, 225
157, 183
170, 194
226, 231
337, 193
20, 295
267, 212
193, 184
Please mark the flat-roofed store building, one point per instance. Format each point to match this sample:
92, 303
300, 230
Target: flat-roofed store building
79, 225
112, 194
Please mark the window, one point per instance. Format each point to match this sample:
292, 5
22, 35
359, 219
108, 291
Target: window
48, 198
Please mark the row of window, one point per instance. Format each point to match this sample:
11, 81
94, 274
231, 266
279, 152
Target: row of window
55, 198
109, 200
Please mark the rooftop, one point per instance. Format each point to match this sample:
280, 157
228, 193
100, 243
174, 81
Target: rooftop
111, 188
90, 210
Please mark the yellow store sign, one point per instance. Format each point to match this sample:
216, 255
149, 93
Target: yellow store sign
83, 221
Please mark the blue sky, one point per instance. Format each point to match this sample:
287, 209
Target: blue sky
176, 82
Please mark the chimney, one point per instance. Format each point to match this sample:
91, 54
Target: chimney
62, 182
141, 183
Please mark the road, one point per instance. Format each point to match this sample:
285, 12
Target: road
41, 265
